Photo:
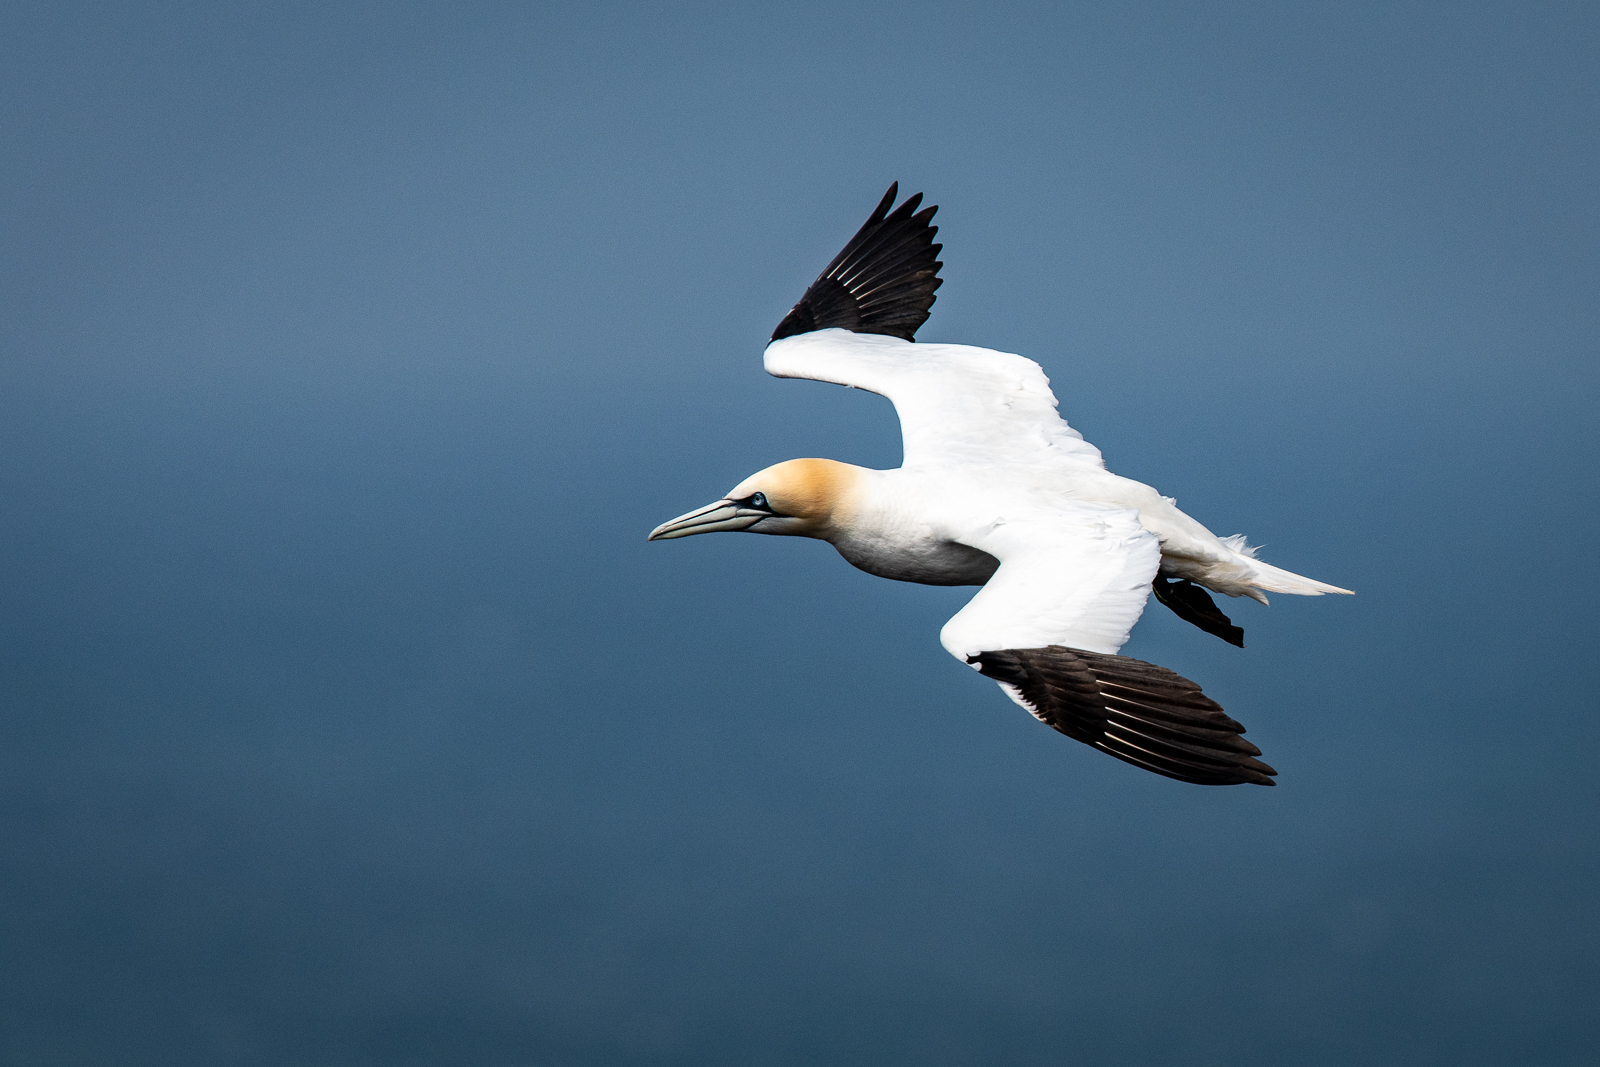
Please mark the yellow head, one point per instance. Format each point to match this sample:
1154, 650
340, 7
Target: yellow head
799, 497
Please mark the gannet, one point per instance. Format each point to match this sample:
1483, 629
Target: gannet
996, 490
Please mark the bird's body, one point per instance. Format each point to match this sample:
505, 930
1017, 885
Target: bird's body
896, 530
997, 490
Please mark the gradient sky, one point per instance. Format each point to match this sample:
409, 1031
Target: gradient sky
348, 352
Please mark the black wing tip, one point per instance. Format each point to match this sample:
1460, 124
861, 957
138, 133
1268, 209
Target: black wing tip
1135, 711
882, 281
886, 203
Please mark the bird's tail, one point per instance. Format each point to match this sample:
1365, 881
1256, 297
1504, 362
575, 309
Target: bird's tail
1277, 580
1264, 576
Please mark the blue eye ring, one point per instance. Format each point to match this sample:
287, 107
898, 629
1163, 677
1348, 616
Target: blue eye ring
758, 500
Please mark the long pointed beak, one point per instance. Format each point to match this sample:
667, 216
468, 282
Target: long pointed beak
713, 518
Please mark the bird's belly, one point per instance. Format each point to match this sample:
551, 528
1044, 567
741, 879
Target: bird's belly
927, 561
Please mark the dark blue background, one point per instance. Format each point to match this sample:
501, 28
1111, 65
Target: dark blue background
350, 351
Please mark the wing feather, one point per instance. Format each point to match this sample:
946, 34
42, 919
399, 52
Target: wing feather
957, 403
1078, 577
1048, 626
1171, 728
882, 281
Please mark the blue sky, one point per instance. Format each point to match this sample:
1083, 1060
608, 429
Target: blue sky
349, 351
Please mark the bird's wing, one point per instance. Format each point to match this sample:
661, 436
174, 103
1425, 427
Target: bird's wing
1140, 713
957, 404
1076, 576
881, 282
1048, 625
854, 326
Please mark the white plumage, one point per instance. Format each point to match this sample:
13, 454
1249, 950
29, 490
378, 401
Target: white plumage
997, 490
990, 463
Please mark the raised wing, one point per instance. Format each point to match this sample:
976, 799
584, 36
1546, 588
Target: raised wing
957, 403
854, 326
1048, 625
882, 282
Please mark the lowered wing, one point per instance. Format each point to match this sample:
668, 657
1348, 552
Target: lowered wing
1078, 577
1140, 713
1047, 628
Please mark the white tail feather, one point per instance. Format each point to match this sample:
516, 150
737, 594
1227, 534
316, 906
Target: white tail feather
1277, 580
1241, 574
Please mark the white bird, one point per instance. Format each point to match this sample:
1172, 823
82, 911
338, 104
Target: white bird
997, 490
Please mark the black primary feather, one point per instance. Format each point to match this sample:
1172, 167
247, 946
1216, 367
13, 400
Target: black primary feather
1194, 605
1140, 713
881, 282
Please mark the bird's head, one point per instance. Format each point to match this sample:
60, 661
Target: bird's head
800, 497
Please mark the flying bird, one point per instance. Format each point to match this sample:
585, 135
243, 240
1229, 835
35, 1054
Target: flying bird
996, 490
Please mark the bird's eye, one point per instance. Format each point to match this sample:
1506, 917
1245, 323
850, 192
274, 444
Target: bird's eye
759, 500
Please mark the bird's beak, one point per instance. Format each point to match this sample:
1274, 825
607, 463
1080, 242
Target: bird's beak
724, 515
